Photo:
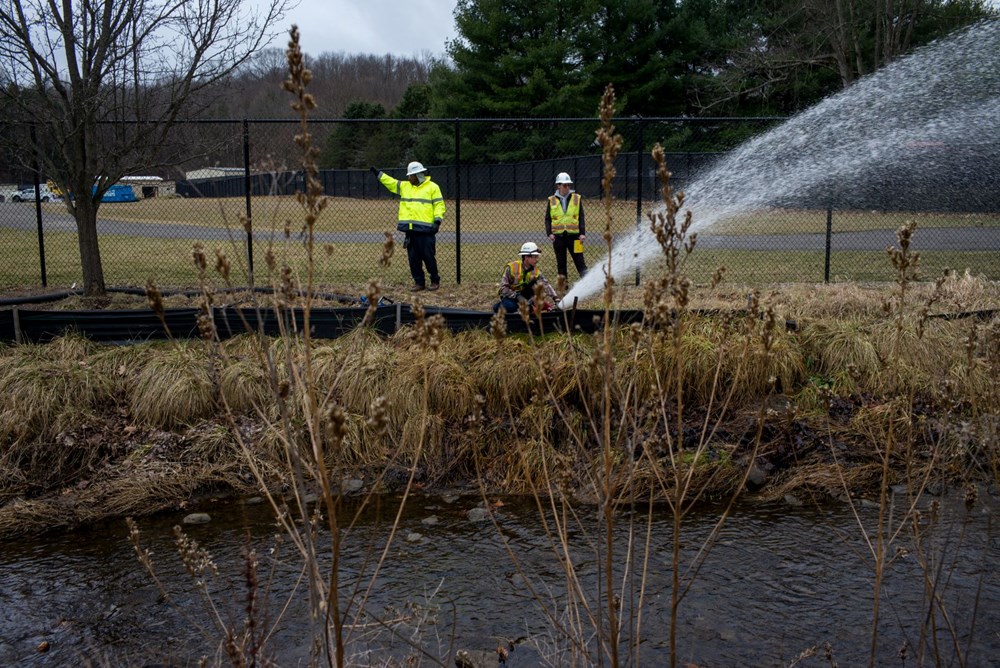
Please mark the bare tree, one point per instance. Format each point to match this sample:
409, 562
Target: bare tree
105, 81
786, 49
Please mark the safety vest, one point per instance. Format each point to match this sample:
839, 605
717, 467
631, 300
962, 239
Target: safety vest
565, 222
522, 278
419, 205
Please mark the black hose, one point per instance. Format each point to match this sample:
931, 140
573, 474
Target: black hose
37, 299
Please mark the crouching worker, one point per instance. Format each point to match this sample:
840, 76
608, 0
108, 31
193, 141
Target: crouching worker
519, 279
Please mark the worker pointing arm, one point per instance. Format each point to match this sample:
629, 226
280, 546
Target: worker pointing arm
421, 211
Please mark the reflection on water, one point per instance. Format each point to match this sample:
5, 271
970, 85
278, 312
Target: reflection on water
778, 582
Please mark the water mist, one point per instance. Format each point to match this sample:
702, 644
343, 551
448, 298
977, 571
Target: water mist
946, 94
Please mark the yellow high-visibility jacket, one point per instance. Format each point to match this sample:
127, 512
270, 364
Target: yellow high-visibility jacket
419, 206
518, 280
568, 221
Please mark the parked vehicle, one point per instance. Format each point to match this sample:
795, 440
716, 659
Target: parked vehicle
28, 195
119, 193
115, 193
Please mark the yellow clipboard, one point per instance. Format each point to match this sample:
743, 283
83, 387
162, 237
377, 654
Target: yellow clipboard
577, 246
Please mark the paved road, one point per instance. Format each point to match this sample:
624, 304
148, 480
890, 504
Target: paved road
21, 216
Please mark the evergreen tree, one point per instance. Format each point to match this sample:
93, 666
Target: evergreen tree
348, 145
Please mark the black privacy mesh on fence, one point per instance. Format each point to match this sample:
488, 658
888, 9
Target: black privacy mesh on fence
231, 185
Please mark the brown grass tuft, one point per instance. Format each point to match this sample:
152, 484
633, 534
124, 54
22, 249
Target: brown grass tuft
47, 386
174, 387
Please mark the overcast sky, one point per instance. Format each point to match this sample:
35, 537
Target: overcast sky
402, 28
407, 28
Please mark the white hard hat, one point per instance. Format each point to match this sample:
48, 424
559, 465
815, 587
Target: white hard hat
563, 177
414, 168
530, 248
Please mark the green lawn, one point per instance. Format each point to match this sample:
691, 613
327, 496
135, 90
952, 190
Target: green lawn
768, 267
344, 214
796, 221
133, 260
374, 215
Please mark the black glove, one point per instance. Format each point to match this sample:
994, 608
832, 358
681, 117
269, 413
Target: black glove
437, 225
373, 171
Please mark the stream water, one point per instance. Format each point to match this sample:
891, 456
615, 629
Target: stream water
780, 580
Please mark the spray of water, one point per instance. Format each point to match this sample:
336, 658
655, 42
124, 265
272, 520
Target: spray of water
946, 94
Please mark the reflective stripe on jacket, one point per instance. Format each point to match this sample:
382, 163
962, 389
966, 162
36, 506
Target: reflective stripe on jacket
521, 278
518, 282
419, 205
568, 221
515, 280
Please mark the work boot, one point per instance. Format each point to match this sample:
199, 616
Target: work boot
434, 286
417, 288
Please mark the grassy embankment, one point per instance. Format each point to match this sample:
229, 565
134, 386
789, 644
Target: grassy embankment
135, 429
86, 417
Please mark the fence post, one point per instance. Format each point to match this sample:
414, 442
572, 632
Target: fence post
458, 202
38, 205
638, 190
18, 335
829, 235
246, 187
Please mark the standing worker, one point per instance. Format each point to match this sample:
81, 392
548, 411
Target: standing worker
564, 225
519, 278
421, 210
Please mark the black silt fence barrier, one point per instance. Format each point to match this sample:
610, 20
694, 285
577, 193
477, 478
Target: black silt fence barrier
132, 326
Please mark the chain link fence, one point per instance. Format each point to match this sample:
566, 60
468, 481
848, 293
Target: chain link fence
230, 185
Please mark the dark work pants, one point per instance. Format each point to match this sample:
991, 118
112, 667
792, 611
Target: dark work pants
507, 304
422, 251
562, 245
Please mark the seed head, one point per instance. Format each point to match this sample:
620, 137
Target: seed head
498, 325
196, 560
335, 424
154, 297
222, 264
378, 419
388, 248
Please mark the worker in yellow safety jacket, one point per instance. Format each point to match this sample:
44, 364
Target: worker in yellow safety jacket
564, 225
421, 210
519, 279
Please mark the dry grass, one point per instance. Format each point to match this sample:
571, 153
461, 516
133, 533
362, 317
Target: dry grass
439, 377
47, 386
843, 352
961, 292
174, 387
244, 382
73, 387
504, 372
824, 480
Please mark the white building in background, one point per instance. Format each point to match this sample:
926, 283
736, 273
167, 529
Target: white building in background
212, 173
149, 186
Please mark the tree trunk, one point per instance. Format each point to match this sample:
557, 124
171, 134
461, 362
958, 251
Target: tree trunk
90, 251
839, 38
